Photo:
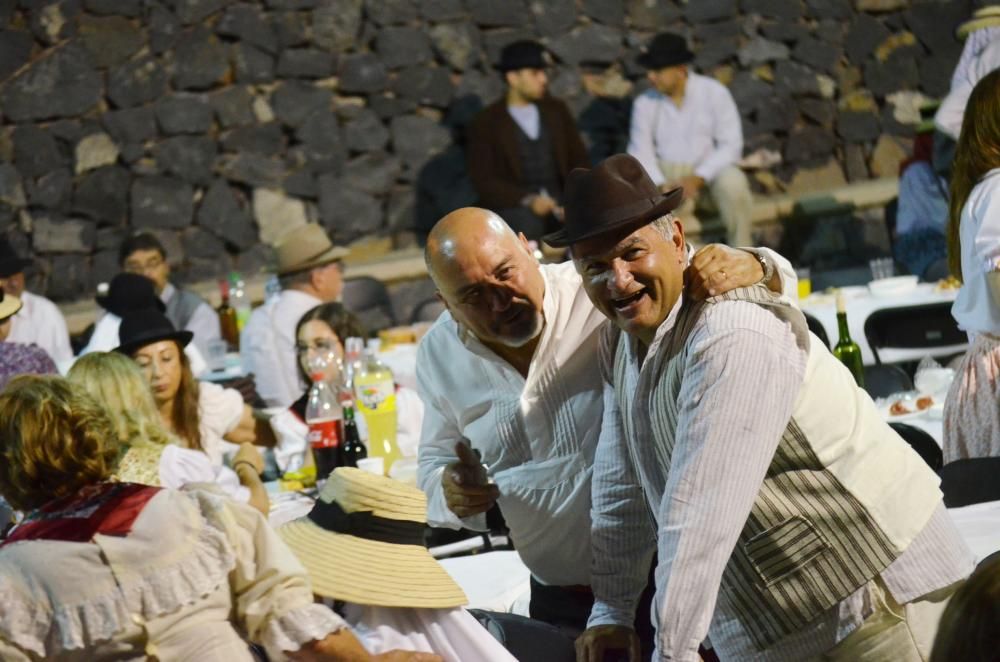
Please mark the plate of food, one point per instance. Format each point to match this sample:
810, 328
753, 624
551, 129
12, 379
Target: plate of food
904, 406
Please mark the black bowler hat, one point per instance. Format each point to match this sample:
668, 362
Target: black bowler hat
128, 292
665, 50
10, 262
614, 195
524, 54
144, 327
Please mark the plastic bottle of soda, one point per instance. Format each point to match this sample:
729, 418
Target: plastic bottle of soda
239, 299
375, 396
325, 419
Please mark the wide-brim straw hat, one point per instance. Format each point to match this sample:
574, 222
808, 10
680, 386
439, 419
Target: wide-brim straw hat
9, 305
363, 543
985, 17
615, 195
306, 247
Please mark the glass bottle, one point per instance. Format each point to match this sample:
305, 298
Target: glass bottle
352, 449
227, 318
847, 351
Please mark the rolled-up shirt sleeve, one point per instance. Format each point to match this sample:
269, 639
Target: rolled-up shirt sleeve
622, 535
739, 387
438, 435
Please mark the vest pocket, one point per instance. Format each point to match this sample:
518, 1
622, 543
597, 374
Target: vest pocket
784, 548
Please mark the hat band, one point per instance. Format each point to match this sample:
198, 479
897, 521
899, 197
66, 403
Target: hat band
363, 524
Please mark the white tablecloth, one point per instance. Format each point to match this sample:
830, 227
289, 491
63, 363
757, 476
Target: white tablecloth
860, 304
497, 581
979, 525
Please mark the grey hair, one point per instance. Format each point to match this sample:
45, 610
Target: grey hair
665, 225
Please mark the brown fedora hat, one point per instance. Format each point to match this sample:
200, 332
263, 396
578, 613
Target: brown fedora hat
306, 247
614, 195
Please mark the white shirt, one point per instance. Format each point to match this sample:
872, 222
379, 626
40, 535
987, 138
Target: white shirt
979, 233
537, 436
980, 56
219, 411
527, 118
204, 322
267, 346
705, 132
39, 321
184, 466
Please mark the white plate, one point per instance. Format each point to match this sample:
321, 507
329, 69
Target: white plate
853, 291
911, 403
890, 287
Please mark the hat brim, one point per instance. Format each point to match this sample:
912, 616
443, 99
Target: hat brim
670, 201
652, 61
332, 254
9, 307
368, 572
107, 304
14, 265
183, 338
990, 20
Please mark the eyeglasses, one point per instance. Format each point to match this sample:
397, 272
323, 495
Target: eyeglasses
151, 264
321, 345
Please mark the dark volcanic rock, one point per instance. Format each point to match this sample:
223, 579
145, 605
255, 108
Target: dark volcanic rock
266, 139
195, 11
710, 10
136, 82
336, 25
248, 24
164, 28
11, 188
775, 114
52, 22
70, 277
161, 202
857, 127
232, 106
201, 244
347, 213
15, 51
821, 111
291, 28
817, 54
896, 73
590, 43
52, 190
457, 44
51, 233
322, 145
783, 9
554, 17
609, 12
36, 151
301, 183
294, 101
748, 91
931, 22
415, 139
387, 107
835, 9
428, 86
651, 16
222, 214
362, 74
490, 13
373, 173
200, 60
441, 10
785, 31
253, 169
102, 195
795, 79
130, 8
402, 46
391, 12
935, 75
808, 143
863, 36
305, 63
130, 125
365, 133
182, 113
61, 84
189, 158
109, 40
252, 64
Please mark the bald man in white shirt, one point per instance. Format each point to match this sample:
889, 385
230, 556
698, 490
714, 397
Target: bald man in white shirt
686, 132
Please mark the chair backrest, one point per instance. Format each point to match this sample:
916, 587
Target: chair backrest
928, 326
922, 443
974, 480
427, 310
817, 329
527, 638
883, 380
368, 298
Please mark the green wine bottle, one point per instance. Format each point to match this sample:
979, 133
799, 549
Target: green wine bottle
847, 351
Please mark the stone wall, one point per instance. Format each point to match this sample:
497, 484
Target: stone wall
220, 124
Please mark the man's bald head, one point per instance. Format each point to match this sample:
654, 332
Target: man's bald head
486, 276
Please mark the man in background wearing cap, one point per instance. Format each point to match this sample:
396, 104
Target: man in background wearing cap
39, 321
18, 358
309, 271
687, 132
521, 148
789, 520
511, 371
143, 254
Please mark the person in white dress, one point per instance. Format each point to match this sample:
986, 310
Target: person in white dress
971, 413
154, 455
99, 570
39, 321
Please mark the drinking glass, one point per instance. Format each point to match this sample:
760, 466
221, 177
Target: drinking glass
216, 350
804, 276
882, 267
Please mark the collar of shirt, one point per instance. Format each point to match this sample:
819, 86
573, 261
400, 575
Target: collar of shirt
168, 292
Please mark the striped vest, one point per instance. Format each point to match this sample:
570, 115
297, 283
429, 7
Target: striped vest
842, 497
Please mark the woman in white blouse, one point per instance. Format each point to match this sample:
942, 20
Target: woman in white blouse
152, 454
203, 415
972, 409
99, 570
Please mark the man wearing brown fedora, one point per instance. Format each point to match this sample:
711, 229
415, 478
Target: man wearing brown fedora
789, 520
510, 371
687, 133
521, 148
309, 271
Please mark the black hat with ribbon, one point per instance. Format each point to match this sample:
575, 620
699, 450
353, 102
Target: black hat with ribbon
144, 327
665, 50
10, 262
524, 54
128, 292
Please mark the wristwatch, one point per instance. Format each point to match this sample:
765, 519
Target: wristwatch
766, 265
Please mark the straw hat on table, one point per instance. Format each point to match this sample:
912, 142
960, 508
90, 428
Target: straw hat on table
363, 543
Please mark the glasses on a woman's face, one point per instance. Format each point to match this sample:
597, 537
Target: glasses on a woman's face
318, 345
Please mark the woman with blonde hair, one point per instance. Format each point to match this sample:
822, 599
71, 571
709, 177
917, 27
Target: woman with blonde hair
151, 454
972, 413
100, 570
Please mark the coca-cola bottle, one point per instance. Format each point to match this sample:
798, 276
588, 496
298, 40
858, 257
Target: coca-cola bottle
325, 419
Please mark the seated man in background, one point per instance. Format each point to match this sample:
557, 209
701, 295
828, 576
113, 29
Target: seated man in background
511, 371
687, 132
309, 271
521, 148
790, 522
18, 358
143, 254
39, 321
